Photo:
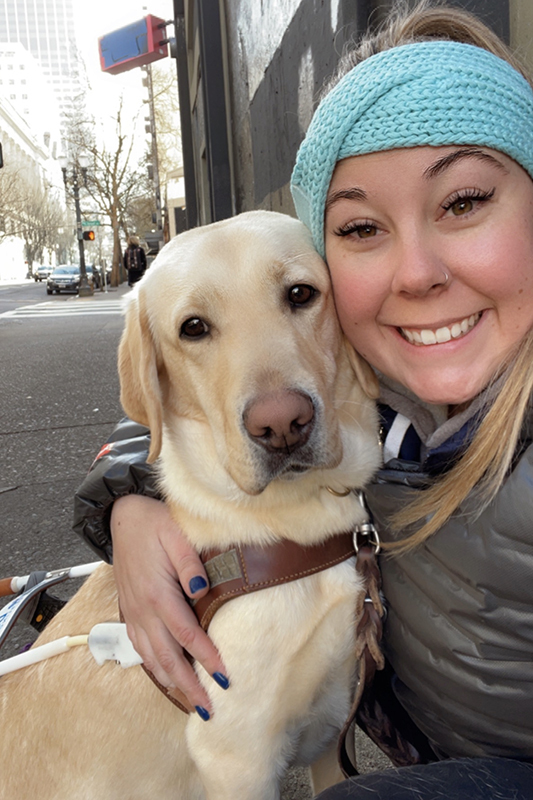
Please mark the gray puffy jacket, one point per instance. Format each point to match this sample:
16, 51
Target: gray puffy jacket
459, 632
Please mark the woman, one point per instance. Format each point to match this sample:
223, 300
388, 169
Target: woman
415, 181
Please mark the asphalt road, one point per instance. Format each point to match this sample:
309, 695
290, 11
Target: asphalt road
59, 401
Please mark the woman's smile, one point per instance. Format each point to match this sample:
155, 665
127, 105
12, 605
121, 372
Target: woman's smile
427, 335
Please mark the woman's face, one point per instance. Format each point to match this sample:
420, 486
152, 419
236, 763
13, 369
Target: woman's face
431, 255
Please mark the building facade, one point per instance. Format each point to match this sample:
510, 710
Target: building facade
46, 29
249, 75
24, 87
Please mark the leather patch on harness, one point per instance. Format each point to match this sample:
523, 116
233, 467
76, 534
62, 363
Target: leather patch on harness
222, 568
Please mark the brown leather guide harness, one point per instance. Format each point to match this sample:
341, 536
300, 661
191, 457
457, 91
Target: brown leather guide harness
244, 569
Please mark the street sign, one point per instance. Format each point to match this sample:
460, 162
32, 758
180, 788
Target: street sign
88, 223
135, 45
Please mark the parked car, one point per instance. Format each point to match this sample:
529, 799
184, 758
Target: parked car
42, 272
66, 278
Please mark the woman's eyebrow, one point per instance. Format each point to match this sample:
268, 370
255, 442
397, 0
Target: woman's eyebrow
353, 193
442, 164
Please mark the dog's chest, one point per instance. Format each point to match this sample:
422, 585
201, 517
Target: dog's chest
291, 648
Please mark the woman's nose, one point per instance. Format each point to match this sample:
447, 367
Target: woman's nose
419, 269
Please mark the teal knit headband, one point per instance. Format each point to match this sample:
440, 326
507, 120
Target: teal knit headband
426, 93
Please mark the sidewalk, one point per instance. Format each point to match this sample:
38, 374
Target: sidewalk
113, 293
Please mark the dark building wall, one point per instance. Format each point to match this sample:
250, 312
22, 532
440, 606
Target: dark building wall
276, 55
269, 123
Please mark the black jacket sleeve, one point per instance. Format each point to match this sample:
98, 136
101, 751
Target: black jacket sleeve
119, 469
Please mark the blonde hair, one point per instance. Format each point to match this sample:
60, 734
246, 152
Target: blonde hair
489, 457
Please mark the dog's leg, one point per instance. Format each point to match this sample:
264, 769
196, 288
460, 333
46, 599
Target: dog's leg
325, 771
237, 761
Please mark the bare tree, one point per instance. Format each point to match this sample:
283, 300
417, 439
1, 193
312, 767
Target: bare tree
29, 211
39, 222
13, 195
167, 120
112, 179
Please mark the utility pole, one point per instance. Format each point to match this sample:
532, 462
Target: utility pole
147, 82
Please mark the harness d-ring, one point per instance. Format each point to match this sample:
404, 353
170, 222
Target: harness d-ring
345, 493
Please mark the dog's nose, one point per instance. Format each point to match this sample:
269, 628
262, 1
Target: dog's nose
280, 420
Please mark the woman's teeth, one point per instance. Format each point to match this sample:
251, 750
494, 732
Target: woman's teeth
440, 335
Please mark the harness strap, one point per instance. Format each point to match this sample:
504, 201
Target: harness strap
369, 630
245, 569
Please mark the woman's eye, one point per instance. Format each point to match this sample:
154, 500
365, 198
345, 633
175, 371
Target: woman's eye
466, 201
194, 328
365, 230
462, 206
300, 294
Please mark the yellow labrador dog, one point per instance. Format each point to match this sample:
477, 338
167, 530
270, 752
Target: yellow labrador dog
233, 356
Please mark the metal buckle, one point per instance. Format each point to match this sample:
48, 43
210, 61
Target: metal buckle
366, 531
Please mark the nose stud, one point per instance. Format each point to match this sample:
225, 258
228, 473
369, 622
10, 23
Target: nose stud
446, 278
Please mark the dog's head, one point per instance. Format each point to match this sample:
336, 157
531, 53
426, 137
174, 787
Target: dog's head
232, 352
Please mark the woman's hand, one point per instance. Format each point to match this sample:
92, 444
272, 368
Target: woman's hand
150, 556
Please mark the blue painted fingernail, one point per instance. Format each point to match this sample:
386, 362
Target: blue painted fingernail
221, 679
197, 583
203, 713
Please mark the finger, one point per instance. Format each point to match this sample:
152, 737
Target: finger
189, 568
184, 628
172, 670
161, 637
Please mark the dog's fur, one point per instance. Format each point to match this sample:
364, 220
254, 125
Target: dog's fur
71, 729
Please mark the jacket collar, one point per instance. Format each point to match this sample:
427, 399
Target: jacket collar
428, 437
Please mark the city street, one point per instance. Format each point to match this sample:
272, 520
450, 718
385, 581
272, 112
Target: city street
13, 295
58, 403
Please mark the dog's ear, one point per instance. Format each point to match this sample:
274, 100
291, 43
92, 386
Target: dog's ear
140, 393
363, 372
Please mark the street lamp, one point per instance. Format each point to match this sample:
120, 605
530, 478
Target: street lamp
81, 163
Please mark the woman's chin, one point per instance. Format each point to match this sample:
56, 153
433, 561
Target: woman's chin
440, 391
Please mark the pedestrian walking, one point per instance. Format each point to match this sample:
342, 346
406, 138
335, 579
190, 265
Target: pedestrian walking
134, 260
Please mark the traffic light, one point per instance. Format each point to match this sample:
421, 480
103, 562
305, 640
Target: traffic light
88, 236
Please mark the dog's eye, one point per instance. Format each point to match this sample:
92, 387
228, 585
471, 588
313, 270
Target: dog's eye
300, 294
194, 328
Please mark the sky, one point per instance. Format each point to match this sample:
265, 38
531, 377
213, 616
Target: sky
95, 19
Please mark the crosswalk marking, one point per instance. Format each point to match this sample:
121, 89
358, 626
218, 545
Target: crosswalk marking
56, 309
